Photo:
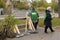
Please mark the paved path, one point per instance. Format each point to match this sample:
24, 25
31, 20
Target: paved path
40, 36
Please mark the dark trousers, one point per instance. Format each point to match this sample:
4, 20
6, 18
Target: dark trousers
50, 27
35, 25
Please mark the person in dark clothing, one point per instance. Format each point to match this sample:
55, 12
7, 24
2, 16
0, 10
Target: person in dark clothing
34, 17
48, 21
1, 12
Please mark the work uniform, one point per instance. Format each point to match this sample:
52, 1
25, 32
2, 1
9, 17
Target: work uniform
34, 17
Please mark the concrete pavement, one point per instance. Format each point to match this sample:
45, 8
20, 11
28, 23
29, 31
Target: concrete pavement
40, 36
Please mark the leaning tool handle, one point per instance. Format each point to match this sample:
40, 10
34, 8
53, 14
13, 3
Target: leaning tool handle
31, 24
16, 30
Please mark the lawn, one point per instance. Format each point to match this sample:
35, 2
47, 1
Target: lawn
55, 22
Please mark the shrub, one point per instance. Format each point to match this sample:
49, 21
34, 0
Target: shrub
41, 8
10, 21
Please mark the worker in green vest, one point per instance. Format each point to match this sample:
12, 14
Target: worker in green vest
34, 17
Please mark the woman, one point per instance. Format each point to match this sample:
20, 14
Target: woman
48, 20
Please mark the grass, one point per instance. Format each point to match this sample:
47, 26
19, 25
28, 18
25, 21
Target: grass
55, 22
22, 21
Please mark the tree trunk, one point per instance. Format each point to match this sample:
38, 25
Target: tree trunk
59, 7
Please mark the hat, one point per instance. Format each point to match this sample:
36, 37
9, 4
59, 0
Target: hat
49, 8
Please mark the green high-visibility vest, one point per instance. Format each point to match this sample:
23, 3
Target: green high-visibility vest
34, 15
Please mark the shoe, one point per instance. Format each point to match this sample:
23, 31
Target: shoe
46, 32
52, 31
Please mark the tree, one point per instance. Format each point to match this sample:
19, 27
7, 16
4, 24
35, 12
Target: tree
34, 3
59, 7
1, 4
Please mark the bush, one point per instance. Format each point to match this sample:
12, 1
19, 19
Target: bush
22, 5
2, 34
41, 8
10, 21
7, 26
2, 4
0, 26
